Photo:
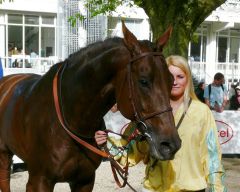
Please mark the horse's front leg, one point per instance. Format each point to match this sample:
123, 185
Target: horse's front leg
5, 166
82, 185
38, 183
4, 180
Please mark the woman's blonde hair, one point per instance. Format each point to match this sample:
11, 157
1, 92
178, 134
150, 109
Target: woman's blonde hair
181, 62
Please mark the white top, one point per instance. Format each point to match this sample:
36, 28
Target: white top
115, 122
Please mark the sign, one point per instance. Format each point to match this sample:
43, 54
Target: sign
228, 125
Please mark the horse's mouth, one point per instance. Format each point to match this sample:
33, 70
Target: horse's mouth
164, 154
164, 151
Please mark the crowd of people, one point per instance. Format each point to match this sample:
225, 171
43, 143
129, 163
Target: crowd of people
197, 165
217, 96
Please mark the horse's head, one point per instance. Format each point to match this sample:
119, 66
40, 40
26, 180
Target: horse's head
143, 94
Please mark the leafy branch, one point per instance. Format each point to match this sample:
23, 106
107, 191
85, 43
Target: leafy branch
97, 7
74, 18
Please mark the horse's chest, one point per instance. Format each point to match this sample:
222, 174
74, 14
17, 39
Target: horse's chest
82, 165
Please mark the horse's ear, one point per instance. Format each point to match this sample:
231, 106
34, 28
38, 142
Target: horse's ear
130, 41
162, 41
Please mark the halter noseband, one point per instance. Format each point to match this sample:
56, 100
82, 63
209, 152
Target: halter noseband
137, 114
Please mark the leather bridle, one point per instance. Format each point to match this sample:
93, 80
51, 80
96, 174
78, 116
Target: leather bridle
139, 118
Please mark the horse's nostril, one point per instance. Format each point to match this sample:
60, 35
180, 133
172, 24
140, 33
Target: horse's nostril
166, 148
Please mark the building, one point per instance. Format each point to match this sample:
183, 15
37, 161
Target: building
36, 34
98, 28
217, 46
28, 35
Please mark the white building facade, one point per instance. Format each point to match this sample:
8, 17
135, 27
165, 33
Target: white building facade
28, 35
36, 34
218, 45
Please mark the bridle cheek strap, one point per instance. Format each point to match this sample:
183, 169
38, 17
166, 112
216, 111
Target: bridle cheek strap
132, 97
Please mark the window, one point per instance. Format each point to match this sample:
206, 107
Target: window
32, 45
234, 50
198, 44
15, 39
29, 39
196, 48
228, 43
17, 19
47, 42
48, 20
222, 49
29, 19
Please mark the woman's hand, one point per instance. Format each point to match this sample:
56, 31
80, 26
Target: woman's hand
100, 137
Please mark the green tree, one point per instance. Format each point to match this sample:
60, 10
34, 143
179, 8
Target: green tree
183, 15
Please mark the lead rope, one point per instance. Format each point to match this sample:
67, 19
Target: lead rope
123, 172
116, 168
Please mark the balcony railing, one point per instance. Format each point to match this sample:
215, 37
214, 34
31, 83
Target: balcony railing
25, 64
230, 70
198, 69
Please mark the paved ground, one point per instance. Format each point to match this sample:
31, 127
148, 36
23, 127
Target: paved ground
232, 168
105, 182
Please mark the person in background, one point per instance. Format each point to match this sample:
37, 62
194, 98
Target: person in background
200, 91
235, 100
215, 94
197, 165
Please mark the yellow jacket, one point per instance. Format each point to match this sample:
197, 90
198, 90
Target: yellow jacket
197, 165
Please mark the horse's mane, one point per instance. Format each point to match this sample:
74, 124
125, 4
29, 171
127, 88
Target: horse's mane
92, 50
99, 46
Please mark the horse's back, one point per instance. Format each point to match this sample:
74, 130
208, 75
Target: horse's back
13, 89
13, 85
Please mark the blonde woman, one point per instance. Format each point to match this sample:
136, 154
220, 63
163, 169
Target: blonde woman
197, 165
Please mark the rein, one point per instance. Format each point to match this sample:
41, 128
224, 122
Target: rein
60, 118
116, 168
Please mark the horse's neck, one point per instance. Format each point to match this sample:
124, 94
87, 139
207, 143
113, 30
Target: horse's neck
92, 95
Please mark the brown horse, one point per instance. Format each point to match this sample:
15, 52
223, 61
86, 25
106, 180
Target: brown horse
127, 71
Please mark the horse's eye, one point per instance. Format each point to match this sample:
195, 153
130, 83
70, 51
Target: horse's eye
144, 83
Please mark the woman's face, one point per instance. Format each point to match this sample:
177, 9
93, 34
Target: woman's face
180, 82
